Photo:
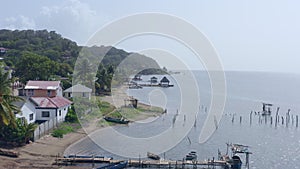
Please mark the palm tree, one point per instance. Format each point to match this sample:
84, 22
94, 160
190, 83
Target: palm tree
83, 73
7, 109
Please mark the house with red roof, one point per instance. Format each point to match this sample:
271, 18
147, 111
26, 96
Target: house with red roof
51, 108
46, 98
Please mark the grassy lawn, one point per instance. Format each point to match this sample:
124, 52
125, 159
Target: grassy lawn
65, 128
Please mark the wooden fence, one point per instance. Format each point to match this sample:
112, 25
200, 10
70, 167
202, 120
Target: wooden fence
45, 128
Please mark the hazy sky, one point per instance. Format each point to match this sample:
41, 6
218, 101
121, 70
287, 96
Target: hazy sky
251, 35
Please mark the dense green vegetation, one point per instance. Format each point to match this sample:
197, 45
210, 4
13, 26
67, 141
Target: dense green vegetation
70, 124
44, 55
12, 131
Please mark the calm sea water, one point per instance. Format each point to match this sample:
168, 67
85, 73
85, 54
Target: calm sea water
272, 147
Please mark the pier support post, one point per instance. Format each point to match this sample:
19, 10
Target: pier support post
247, 160
271, 120
251, 118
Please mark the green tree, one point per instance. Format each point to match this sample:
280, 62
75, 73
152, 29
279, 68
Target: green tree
84, 73
35, 67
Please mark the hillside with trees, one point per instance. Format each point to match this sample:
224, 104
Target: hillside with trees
46, 55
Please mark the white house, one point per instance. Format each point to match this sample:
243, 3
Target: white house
78, 90
51, 107
28, 111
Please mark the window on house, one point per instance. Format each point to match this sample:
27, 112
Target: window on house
30, 92
30, 116
45, 114
64, 109
70, 95
49, 92
59, 112
83, 94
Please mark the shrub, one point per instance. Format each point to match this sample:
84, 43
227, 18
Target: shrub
58, 133
71, 116
63, 129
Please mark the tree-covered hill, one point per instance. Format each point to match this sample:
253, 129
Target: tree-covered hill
44, 55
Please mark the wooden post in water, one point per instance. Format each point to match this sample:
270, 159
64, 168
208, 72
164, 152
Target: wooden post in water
240, 119
271, 120
247, 161
266, 119
232, 120
288, 114
251, 118
276, 116
286, 120
297, 121
292, 119
282, 120
139, 160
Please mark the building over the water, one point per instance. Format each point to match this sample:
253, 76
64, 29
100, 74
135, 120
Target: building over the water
164, 82
153, 80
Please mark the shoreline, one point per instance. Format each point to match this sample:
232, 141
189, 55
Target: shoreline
43, 152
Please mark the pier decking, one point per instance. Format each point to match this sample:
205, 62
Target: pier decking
145, 163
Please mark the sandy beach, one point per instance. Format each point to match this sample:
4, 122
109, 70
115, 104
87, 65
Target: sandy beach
42, 153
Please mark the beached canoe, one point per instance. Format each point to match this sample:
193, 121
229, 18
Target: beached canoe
117, 120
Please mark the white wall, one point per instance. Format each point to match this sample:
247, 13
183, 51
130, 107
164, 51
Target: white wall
64, 111
78, 94
39, 114
61, 113
27, 109
59, 91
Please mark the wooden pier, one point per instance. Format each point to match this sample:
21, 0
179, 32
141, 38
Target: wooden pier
145, 163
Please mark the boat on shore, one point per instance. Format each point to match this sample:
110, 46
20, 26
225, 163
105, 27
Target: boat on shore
117, 120
153, 156
118, 165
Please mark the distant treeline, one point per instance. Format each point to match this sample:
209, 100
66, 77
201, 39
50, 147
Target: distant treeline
46, 55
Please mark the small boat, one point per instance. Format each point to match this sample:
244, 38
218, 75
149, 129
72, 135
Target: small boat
117, 120
118, 165
191, 156
153, 156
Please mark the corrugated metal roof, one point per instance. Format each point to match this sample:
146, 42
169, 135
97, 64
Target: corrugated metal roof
51, 102
78, 88
46, 85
